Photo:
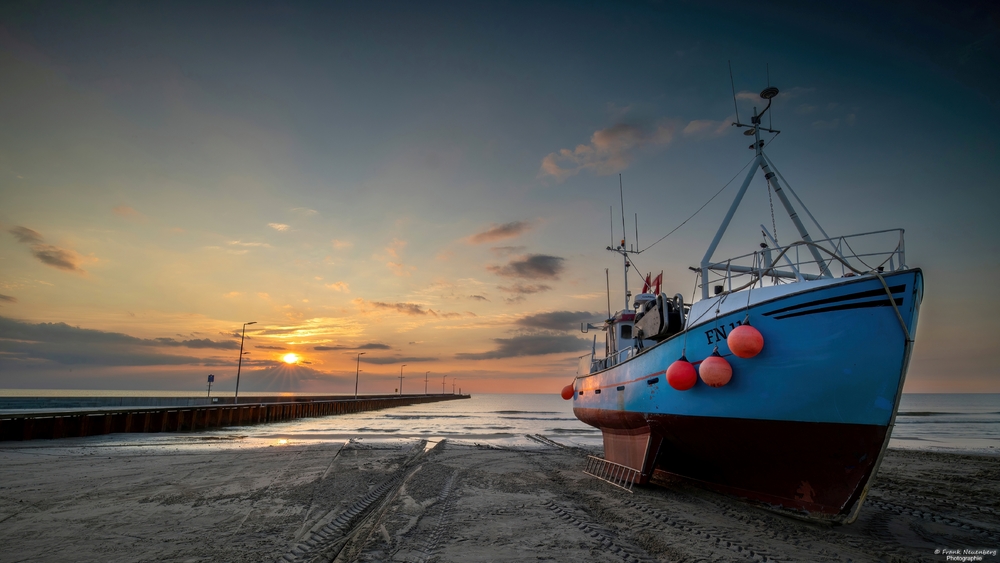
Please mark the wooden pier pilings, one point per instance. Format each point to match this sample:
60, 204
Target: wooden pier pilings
79, 423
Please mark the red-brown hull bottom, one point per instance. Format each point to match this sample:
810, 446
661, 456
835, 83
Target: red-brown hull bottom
811, 467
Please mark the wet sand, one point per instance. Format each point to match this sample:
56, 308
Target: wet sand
407, 501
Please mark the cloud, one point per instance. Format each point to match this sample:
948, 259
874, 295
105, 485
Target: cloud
8, 298
11, 329
278, 226
270, 347
529, 345
394, 249
557, 320
57, 257
338, 244
305, 211
704, 128
394, 359
198, 343
340, 286
26, 235
368, 346
533, 266
507, 250
525, 289
609, 151
51, 255
249, 244
412, 309
127, 212
478, 298
500, 232
65, 344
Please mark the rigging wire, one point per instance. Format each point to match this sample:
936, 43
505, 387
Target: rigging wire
700, 208
774, 226
709, 200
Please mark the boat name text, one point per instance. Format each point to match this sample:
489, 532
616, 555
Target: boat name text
716, 335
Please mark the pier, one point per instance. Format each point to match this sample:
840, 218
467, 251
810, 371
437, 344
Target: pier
35, 424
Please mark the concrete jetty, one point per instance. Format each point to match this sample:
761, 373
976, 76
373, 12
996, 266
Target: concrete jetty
33, 424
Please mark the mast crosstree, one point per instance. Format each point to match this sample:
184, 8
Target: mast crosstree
764, 164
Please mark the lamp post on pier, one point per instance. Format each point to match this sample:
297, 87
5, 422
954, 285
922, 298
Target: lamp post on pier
239, 366
425, 381
357, 375
401, 379
443, 378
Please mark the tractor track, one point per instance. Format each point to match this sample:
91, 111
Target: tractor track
326, 544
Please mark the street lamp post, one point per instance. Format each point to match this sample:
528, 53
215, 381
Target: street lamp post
453, 386
357, 375
239, 366
443, 378
425, 382
401, 379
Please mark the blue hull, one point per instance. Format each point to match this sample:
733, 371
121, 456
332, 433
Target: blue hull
834, 360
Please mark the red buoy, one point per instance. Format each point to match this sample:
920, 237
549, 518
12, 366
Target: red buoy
745, 341
568, 392
715, 371
681, 375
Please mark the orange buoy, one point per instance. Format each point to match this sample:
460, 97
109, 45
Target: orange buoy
745, 341
715, 371
681, 375
568, 392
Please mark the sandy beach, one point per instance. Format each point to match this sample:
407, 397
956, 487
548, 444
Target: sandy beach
416, 501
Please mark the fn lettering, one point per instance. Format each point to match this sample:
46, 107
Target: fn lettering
717, 335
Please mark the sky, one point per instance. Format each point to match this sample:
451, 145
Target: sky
434, 184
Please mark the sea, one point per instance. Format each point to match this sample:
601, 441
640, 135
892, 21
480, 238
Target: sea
956, 423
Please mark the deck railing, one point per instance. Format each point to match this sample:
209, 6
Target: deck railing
842, 256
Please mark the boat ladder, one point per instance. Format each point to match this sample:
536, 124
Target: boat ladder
613, 473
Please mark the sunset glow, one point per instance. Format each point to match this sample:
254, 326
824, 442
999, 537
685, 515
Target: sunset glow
339, 189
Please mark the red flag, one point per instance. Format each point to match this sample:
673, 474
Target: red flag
647, 284
658, 281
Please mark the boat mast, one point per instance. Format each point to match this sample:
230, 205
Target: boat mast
762, 162
623, 248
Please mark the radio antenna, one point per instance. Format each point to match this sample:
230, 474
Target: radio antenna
733, 84
611, 219
770, 118
607, 283
637, 231
621, 194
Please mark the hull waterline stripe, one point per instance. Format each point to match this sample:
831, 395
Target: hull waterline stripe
859, 295
862, 305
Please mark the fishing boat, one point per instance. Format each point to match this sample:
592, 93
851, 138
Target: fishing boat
779, 385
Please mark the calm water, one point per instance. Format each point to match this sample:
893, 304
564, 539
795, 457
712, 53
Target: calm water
948, 422
941, 422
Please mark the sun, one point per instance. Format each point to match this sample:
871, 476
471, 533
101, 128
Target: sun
290, 358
